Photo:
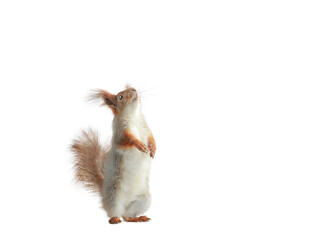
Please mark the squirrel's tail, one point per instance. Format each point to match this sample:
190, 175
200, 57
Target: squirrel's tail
89, 158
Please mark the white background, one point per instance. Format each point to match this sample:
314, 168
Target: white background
232, 101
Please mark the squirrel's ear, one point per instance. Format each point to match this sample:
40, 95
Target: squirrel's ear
109, 99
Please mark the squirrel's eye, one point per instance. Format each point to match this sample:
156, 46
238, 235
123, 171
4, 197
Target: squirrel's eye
120, 97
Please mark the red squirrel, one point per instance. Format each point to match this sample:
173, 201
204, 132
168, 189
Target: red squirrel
118, 172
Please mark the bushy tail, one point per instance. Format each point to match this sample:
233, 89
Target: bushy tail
89, 158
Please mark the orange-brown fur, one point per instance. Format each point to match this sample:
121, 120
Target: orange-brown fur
109, 99
114, 220
89, 158
151, 145
129, 140
137, 219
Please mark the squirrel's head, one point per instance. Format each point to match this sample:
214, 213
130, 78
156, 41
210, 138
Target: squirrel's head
125, 101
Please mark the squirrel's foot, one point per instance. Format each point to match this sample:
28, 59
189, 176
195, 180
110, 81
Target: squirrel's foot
136, 219
114, 220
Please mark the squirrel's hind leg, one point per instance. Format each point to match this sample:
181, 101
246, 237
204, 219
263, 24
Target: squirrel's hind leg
137, 207
114, 207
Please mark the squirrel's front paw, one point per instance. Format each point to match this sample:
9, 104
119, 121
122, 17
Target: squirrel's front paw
152, 150
142, 147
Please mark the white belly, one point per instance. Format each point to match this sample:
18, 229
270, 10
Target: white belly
136, 168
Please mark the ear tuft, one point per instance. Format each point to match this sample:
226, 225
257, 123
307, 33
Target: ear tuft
108, 101
108, 98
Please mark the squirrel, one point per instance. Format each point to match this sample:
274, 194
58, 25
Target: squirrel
118, 172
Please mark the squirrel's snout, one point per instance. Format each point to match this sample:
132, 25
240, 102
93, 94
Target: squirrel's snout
134, 95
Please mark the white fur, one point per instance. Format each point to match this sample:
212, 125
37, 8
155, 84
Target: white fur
132, 197
136, 166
